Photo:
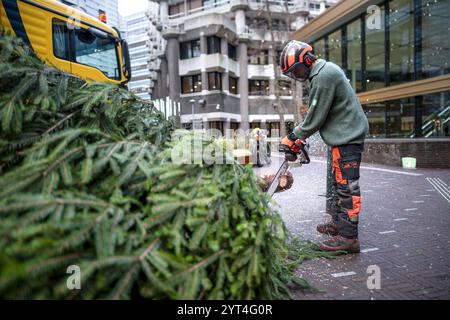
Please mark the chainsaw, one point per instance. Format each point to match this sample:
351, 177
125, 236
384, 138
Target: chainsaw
290, 159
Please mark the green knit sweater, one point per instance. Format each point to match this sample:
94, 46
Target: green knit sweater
334, 108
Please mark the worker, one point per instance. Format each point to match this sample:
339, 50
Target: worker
334, 110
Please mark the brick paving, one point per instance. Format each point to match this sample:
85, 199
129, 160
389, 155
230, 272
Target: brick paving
404, 230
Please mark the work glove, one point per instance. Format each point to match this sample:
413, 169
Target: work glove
291, 144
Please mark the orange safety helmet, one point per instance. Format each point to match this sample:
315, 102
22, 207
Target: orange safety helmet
296, 60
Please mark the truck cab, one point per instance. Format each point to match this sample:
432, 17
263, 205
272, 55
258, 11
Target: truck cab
69, 39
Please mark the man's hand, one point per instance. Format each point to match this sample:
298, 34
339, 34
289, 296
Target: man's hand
291, 144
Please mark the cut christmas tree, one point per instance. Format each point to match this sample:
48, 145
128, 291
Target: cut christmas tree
87, 181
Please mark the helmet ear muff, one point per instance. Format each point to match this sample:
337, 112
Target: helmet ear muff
309, 59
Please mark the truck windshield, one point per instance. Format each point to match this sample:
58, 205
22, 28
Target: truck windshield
97, 52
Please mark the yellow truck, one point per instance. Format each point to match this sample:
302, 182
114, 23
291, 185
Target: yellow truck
69, 39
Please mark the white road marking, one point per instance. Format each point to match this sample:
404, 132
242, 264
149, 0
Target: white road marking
343, 274
304, 221
410, 209
440, 187
418, 201
443, 186
425, 195
369, 250
386, 232
442, 182
401, 219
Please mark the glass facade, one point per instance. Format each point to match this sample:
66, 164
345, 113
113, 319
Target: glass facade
408, 40
375, 53
335, 47
401, 37
319, 48
435, 42
400, 118
376, 114
354, 61
436, 114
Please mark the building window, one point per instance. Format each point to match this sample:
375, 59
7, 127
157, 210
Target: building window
319, 48
190, 49
354, 63
259, 87
190, 84
258, 56
401, 37
232, 52
214, 81
375, 51
284, 88
217, 125
400, 118
233, 85
376, 114
435, 38
273, 129
213, 44
176, 9
194, 4
335, 47
436, 115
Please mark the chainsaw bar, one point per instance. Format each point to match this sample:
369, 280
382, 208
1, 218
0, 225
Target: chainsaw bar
274, 184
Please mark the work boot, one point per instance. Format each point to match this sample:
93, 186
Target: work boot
329, 228
339, 243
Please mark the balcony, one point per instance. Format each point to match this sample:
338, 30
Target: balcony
219, 7
280, 6
256, 71
205, 62
264, 35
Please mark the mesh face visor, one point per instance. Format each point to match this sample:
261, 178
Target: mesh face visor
300, 69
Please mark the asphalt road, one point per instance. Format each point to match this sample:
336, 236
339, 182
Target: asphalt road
404, 233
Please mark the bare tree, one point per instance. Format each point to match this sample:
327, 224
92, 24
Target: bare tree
279, 106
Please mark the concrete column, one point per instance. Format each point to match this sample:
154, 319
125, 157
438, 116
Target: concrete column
243, 84
240, 21
173, 57
163, 10
224, 46
156, 88
205, 123
203, 44
205, 81
322, 6
163, 78
226, 126
225, 82
272, 87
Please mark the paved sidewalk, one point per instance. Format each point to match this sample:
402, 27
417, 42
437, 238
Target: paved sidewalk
404, 230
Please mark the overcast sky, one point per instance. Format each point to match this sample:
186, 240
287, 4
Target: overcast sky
127, 7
